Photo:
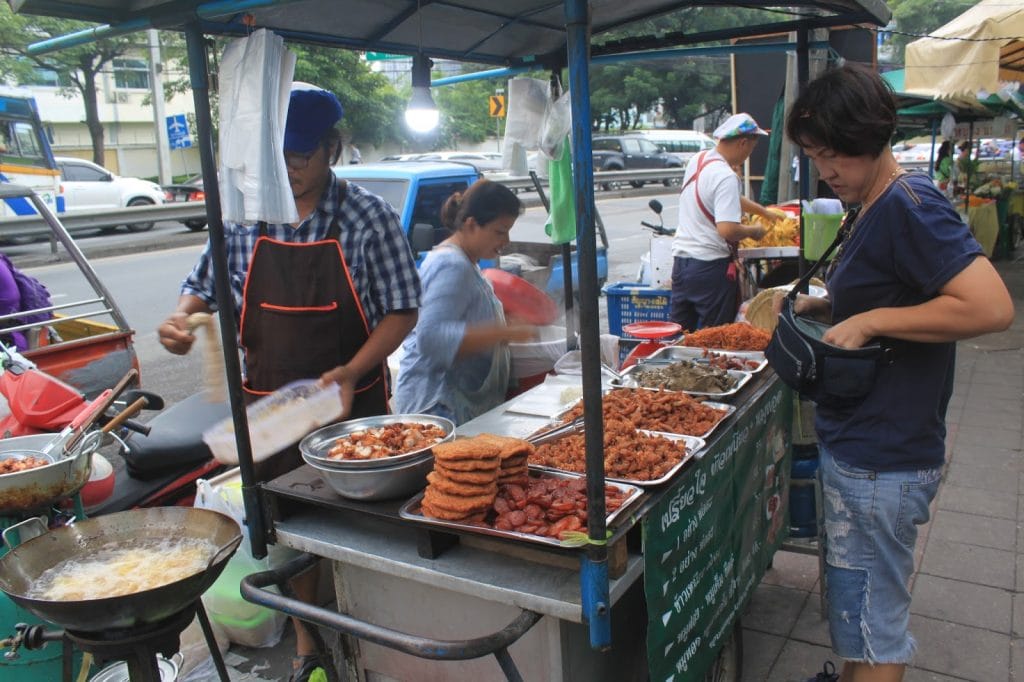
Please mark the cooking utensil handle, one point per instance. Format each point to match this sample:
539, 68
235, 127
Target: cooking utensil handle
226, 550
125, 414
436, 649
33, 527
558, 432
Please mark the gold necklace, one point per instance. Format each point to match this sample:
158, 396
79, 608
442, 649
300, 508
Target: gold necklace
865, 205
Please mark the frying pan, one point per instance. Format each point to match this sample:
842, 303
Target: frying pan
40, 487
22, 566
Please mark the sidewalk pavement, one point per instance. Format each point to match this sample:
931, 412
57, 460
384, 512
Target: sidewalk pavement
967, 612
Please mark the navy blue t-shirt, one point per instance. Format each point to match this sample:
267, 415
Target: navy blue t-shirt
901, 252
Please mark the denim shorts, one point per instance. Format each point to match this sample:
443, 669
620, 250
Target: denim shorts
871, 520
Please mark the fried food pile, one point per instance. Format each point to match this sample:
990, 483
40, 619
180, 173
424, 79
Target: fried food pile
735, 336
667, 411
386, 441
12, 465
467, 472
549, 506
484, 481
729, 361
628, 453
782, 232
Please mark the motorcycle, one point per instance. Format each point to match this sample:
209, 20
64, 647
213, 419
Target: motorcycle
656, 264
162, 459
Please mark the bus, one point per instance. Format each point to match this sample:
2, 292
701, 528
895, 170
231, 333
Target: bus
25, 154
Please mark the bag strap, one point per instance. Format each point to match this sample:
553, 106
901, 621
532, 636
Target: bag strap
844, 229
701, 164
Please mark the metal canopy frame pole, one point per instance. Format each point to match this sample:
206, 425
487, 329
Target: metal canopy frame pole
594, 564
803, 72
200, 80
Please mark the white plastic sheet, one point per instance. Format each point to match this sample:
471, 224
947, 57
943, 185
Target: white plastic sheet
255, 79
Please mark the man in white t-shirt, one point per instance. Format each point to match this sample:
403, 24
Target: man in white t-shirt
704, 277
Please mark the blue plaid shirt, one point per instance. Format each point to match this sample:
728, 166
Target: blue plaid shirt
376, 251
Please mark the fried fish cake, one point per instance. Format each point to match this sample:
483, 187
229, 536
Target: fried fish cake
445, 515
462, 449
509, 447
472, 476
469, 464
447, 485
457, 503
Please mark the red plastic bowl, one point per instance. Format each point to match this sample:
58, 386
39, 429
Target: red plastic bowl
652, 330
520, 299
100, 485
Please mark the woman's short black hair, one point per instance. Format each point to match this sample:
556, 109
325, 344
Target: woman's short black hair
483, 200
849, 110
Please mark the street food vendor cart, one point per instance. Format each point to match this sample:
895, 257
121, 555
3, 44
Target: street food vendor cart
701, 540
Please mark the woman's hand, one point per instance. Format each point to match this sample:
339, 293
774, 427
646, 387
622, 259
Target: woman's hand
852, 332
175, 335
346, 381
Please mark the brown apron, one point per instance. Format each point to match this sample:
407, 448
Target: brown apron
301, 316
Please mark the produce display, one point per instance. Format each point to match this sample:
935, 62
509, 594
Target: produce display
11, 465
734, 336
628, 453
685, 375
782, 232
666, 411
386, 441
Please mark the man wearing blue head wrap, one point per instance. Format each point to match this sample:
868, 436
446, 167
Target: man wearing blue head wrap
331, 296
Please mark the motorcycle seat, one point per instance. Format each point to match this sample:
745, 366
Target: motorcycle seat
175, 440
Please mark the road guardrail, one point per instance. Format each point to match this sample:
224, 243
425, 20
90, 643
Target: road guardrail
82, 221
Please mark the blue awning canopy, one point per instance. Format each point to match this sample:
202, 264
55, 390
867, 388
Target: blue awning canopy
506, 32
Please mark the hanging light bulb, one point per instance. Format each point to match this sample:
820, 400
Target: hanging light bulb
421, 115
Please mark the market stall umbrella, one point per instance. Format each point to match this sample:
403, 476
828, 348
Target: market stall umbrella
988, 54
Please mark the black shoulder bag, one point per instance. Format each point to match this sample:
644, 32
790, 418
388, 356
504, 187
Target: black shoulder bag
829, 375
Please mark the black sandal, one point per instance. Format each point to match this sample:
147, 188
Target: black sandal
303, 667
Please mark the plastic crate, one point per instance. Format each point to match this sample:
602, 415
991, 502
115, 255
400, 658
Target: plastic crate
629, 302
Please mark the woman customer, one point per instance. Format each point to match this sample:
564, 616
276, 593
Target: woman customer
456, 362
944, 165
911, 272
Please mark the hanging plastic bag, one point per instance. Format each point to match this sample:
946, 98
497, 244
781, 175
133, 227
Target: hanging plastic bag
243, 622
561, 223
557, 123
527, 106
255, 78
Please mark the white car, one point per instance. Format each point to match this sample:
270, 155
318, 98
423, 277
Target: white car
89, 187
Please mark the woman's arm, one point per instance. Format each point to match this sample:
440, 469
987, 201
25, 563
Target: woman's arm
478, 338
974, 302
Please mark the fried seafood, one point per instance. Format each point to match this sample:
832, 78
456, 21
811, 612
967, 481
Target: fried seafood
735, 336
464, 480
685, 375
12, 465
386, 441
628, 453
666, 411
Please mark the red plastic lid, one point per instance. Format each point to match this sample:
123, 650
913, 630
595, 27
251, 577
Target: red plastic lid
652, 330
520, 299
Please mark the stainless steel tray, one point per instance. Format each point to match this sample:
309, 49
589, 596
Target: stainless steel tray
694, 450
316, 445
729, 410
411, 510
740, 379
673, 353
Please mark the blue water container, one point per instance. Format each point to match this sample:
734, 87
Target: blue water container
802, 517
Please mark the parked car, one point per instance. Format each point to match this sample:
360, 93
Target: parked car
631, 151
87, 186
683, 143
190, 190
485, 162
912, 155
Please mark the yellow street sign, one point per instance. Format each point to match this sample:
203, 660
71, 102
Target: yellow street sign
497, 105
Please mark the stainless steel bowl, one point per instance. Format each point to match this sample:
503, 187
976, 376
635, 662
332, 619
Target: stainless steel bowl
381, 483
315, 446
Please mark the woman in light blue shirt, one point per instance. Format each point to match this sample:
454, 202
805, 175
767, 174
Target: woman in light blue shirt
456, 362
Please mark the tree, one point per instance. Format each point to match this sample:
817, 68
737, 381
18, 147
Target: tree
465, 114
78, 66
373, 108
921, 17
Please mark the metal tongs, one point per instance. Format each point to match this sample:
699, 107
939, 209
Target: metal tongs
561, 431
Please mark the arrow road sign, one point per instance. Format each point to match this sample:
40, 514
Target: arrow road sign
177, 132
497, 105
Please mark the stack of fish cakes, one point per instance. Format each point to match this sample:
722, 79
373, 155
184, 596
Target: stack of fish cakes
464, 482
467, 472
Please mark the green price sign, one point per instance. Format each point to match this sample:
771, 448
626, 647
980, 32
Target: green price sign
383, 56
709, 540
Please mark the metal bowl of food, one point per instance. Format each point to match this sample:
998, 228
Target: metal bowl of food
375, 442
378, 483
